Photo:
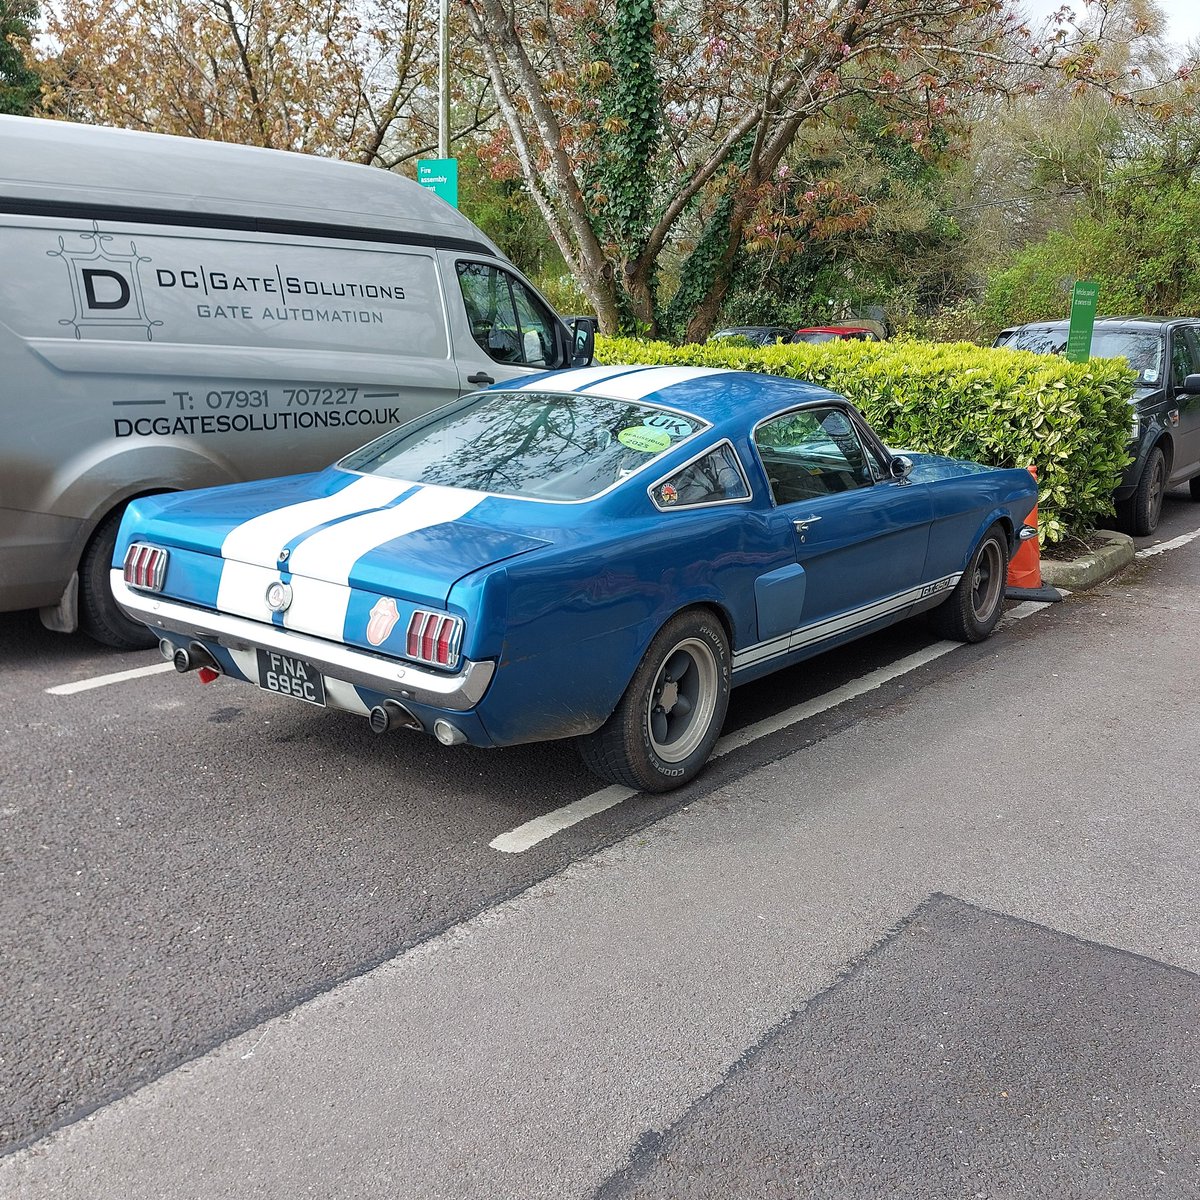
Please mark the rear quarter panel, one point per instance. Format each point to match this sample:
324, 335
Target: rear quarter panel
579, 618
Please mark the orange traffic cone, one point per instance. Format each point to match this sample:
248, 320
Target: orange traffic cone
1025, 570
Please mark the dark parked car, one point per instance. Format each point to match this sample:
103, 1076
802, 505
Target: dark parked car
1165, 422
759, 335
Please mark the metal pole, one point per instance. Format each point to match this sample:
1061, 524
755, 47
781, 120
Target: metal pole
444, 79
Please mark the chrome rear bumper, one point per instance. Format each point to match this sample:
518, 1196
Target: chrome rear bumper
457, 692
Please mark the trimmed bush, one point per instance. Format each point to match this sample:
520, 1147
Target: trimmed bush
999, 407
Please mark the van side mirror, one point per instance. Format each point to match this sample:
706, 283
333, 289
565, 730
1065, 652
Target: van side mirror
900, 466
583, 340
1191, 385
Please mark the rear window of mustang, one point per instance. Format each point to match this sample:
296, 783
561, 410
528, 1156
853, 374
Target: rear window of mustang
534, 444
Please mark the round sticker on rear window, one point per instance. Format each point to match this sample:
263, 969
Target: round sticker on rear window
669, 423
640, 437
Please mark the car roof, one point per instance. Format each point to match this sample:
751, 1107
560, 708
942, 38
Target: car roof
834, 329
714, 394
1106, 323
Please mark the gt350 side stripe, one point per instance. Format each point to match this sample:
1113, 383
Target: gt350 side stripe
808, 635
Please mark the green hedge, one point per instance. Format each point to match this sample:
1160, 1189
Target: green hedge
999, 407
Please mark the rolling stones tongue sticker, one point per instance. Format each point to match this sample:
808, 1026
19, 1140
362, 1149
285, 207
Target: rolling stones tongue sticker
383, 620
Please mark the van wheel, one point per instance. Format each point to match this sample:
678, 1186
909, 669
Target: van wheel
661, 733
99, 616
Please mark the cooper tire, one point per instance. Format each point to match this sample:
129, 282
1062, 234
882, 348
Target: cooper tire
99, 616
1140, 513
971, 611
661, 733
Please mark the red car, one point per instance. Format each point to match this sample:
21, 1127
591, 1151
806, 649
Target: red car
829, 333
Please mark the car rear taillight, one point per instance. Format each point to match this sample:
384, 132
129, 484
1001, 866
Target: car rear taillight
145, 566
434, 638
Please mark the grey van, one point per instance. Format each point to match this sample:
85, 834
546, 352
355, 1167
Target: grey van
178, 313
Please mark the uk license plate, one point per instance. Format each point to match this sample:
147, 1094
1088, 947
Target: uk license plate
289, 676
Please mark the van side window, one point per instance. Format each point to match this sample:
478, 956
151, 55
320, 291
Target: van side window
510, 324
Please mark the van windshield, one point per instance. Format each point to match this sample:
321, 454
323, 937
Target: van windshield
538, 445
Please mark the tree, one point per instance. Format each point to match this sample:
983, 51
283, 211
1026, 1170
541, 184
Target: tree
641, 130
350, 78
20, 84
857, 217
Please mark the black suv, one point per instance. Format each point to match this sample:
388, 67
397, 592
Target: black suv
1165, 421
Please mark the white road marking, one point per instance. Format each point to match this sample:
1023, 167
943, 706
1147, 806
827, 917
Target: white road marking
1163, 547
518, 840
99, 681
526, 836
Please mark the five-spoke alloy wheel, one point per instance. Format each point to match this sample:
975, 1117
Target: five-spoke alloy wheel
665, 726
973, 608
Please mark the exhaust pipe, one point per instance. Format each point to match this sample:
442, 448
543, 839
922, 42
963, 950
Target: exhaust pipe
195, 657
393, 715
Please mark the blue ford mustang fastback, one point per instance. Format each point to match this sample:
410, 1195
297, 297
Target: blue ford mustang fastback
598, 554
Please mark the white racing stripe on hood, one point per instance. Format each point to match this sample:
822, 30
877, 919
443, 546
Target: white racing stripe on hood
262, 538
637, 385
330, 554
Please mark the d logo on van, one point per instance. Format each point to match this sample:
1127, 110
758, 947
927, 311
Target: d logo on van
105, 285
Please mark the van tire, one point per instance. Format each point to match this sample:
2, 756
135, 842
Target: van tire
99, 616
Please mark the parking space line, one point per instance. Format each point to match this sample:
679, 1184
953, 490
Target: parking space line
526, 836
99, 681
518, 840
1163, 547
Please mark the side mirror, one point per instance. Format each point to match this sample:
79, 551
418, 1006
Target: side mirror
1191, 385
900, 466
583, 340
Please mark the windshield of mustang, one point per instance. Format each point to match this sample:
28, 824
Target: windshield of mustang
534, 444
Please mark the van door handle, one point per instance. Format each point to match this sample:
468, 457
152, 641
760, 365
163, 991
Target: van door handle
480, 378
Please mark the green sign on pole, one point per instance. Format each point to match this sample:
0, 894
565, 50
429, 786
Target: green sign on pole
440, 175
1083, 321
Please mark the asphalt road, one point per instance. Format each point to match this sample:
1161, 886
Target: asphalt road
182, 863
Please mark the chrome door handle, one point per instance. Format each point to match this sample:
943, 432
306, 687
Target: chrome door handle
800, 524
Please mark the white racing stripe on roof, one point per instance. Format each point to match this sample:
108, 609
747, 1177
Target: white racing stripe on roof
569, 381
637, 385
261, 538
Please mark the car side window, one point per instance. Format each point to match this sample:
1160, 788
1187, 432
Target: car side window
507, 321
812, 452
709, 480
1183, 355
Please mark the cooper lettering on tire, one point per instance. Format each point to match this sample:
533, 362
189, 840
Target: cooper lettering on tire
664, 728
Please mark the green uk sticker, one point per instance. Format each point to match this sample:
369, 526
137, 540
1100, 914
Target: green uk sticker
640, 437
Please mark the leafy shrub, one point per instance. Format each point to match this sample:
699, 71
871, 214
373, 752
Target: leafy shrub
1000, 407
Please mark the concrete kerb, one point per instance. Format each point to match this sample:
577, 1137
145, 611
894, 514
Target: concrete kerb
1093, 567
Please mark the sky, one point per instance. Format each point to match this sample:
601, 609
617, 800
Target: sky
1183, 16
